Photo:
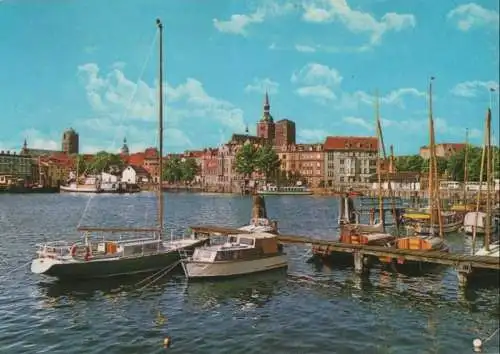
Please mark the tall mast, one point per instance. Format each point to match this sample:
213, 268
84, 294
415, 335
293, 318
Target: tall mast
465, 165
160, 129
489, 181
431, 155
379, 164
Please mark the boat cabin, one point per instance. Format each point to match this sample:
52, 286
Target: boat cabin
239, 247
424, 243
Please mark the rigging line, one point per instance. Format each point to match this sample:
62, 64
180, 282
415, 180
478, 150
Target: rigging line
134, 91
85, 210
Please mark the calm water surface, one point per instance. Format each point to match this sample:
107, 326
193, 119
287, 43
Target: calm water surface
310, 310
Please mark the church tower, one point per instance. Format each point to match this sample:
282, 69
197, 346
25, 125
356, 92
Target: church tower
124, 150
265, 126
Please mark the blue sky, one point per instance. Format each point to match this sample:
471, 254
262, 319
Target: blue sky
77, 64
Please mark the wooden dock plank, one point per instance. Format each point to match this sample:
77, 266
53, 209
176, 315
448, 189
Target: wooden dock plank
451, 259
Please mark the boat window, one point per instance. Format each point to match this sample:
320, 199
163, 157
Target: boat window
232, 239
246, 241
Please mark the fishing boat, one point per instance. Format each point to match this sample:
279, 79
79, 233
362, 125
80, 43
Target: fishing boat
272, 189
107, 255
241, 254
419, 221
351, 230
422, 236
90, 185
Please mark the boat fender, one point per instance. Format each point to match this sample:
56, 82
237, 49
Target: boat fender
73, 250
87, 253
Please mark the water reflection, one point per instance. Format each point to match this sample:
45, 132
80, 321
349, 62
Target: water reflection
84, 290
249, 291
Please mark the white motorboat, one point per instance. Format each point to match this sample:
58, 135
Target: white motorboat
239, 255
260, 225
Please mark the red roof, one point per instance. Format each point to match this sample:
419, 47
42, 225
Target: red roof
351, 143
136, 159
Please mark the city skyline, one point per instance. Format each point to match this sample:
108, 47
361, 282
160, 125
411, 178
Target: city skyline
320, 61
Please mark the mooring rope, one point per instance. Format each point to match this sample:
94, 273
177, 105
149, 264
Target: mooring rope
490, 337
15, 269
85, 210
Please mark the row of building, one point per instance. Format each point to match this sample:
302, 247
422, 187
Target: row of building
336, 160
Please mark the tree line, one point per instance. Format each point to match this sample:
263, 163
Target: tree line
452, 166
263, 159
175, 170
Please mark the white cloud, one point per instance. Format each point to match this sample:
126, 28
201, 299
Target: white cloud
317, 74
415, 126
356, 21
131, 107
262, 85
238, 23
312, 135
37, 140
472, 88
319, 92
304, 48
318, 81
471, 15
359, 122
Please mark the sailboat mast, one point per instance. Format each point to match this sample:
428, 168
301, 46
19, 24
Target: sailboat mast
431, 155
465, 165
379, 164
160, 129
489, 180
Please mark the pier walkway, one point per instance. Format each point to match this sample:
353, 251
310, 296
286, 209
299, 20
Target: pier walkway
464, 264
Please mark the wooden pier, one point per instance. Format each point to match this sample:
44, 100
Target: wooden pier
465, 265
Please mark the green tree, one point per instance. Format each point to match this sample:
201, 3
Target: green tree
104, 162
441, 164
189, 169
172, 170
412, 163
245, 160
80, 164
267, 161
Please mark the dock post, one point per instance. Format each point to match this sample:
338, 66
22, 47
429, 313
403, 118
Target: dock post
360, 263
463, 272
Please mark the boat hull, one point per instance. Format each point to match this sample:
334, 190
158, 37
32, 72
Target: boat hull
424, 229
79, 189
469, 230
110, 267
204, 270
284, 193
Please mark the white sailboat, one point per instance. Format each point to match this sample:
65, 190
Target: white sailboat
104, 256
491, 250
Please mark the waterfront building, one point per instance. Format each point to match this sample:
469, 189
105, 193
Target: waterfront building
306, 159
15, 168
135, 175
349, 159
209, 167
445, 150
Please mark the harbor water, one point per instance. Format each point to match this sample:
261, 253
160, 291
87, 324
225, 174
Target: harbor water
311, 309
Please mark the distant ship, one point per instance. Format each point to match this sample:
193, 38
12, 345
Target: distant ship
272, 189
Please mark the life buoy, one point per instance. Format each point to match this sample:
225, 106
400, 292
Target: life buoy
73, 250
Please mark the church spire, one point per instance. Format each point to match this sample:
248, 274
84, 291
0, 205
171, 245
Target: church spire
267, 109
124, 149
